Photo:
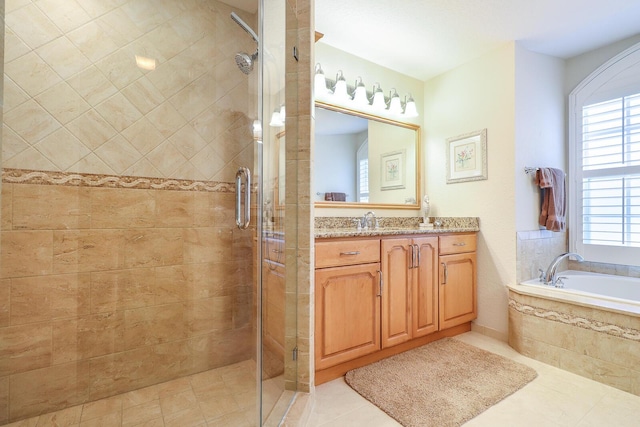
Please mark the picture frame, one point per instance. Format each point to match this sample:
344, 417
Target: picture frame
467, 157
393, 170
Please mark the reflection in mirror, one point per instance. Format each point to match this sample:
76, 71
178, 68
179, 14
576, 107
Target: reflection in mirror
365, 160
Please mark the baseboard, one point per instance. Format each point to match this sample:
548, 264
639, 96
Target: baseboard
489, 332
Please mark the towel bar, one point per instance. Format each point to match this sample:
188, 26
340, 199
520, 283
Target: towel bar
529, 170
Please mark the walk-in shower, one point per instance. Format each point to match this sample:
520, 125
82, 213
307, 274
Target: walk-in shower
128, 295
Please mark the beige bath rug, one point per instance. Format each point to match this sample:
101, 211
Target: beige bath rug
445, 383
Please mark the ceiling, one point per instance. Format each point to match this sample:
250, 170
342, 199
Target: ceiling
424, 38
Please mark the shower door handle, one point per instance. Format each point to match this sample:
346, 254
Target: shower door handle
243, 216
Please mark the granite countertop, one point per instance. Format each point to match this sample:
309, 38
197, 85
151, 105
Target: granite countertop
327, 227
324, 233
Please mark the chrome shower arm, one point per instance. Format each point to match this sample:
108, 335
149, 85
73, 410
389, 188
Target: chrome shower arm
244, 26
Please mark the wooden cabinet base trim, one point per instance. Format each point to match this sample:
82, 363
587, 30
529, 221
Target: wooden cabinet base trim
337, 371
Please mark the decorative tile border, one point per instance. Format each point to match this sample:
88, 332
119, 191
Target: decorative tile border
581, 322
25, 176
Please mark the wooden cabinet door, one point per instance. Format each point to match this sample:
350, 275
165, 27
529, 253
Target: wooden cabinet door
396, 294
458, 292
347, 313
425, 287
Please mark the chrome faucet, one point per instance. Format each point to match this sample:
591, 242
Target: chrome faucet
550, 276
369, 220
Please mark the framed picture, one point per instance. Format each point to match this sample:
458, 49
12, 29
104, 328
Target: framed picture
393, 170
467, 157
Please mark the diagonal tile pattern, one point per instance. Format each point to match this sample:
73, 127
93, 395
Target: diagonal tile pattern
76, 100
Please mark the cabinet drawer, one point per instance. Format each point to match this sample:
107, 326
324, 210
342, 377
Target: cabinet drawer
347, 252
457, 243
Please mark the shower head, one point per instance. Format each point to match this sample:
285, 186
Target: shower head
244, 26
245, 62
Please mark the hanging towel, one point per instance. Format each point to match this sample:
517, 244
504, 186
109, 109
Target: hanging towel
552, 214
335, 197
339, 197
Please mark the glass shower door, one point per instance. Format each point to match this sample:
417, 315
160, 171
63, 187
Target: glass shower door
127, 289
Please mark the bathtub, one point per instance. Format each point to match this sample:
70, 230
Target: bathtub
590, 326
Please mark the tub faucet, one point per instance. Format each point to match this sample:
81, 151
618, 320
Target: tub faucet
369, 220
550, 276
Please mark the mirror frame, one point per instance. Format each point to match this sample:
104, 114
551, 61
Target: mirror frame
418, 177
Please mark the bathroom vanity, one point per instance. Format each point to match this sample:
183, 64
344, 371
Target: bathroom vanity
381, 292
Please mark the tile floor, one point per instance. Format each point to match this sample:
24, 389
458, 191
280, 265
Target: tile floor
554, 398
220, 397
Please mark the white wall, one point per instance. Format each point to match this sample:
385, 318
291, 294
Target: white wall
539, 115
335, 165
579, 67
477, 95
332, 60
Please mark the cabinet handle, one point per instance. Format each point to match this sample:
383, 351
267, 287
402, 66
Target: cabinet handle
350, 253
444, 267
460, 244
380, 283
413, 257
417, 247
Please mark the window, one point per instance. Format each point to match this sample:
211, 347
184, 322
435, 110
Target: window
362, 169
611, 172
605, 164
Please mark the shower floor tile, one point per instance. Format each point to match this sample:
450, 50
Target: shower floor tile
220, 397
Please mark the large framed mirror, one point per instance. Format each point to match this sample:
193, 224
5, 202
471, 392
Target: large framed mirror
362, 160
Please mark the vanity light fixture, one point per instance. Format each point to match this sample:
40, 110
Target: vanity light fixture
278, 117
360, 93
377, 100
356, 97
257, 131
395, 106
410, 109
320, 82
340, 88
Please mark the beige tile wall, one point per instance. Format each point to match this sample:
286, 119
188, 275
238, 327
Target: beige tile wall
101, 286
535, 251
299, 206
106, 290
597, 344
76, 101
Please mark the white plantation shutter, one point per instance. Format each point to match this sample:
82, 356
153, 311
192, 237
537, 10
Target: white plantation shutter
610, 173
362, 169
